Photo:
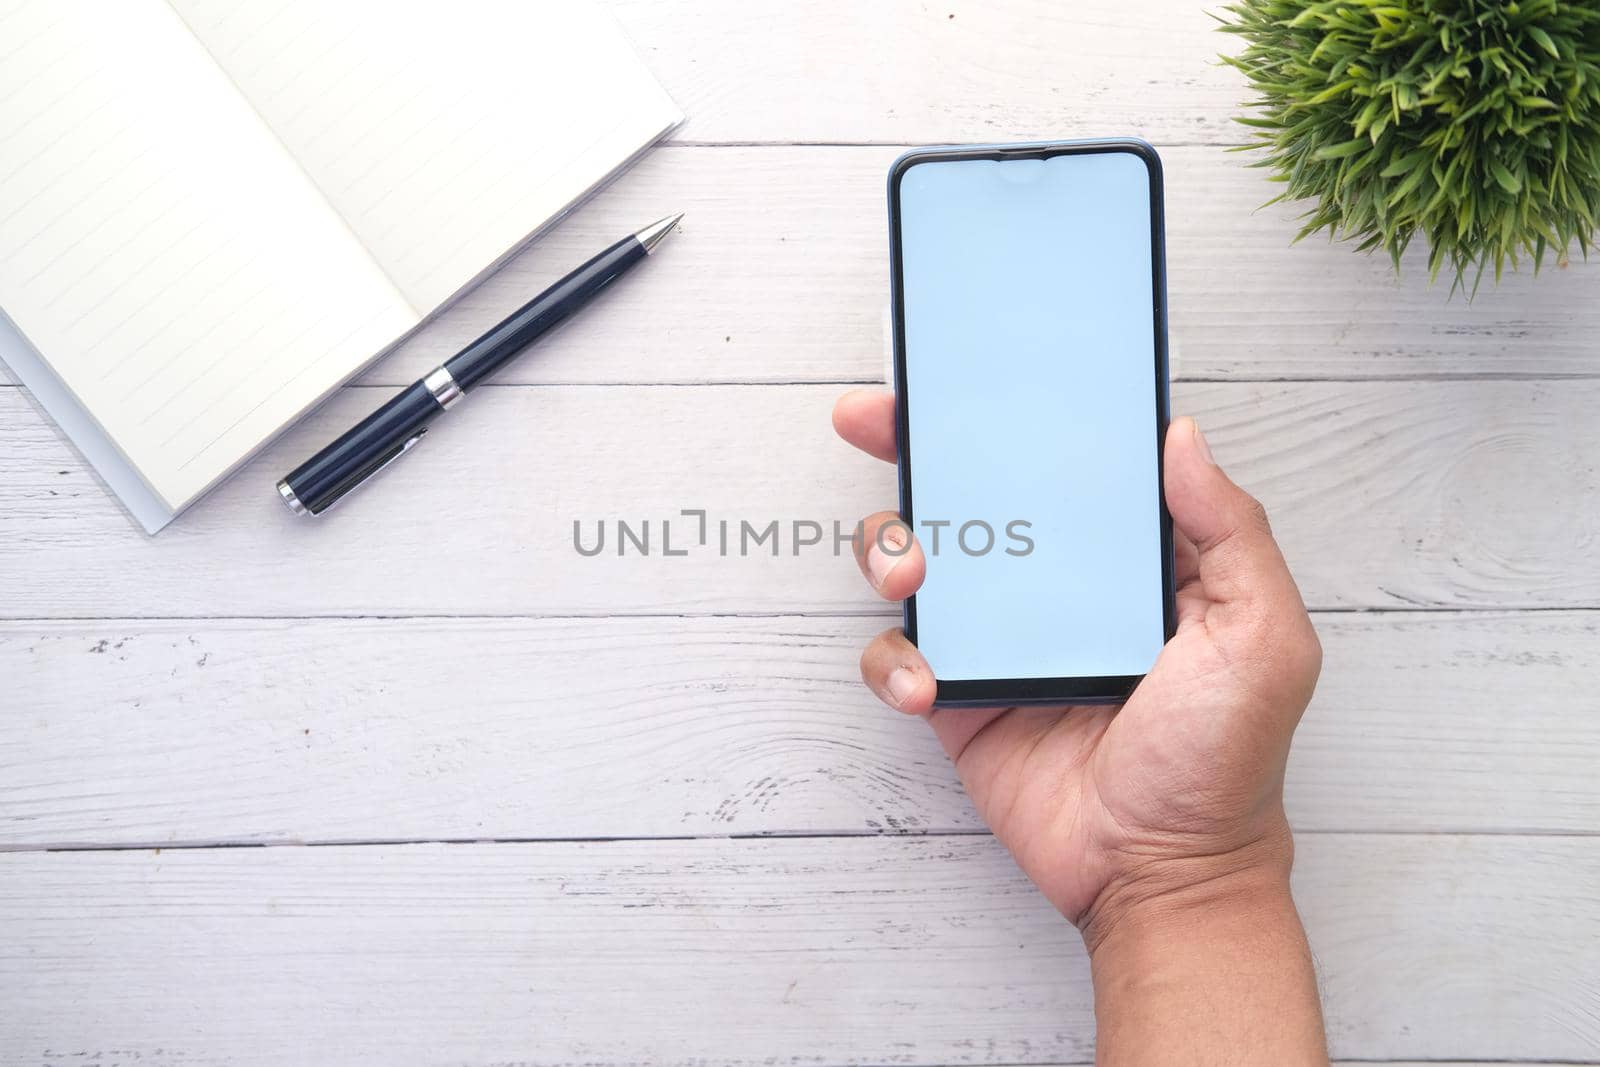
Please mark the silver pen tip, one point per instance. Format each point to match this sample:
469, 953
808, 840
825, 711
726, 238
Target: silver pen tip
656, 232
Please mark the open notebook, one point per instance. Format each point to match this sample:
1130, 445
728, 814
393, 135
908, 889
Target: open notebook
213, 213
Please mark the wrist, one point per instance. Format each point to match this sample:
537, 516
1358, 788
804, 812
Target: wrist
1167, 896
1203, 960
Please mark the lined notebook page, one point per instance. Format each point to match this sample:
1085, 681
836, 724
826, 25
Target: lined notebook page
182, 276
444, 133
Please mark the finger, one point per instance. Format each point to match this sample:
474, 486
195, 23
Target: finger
865, 418
1191, 597
889, 555
1185, 559
894, 670
985, 746
969, 735
1238, 559
1244, 585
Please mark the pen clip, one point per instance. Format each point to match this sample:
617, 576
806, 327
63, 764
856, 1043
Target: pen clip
372, 472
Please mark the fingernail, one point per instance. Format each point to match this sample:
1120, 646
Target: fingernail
902, 685
885, 551
1200, 441
879, 564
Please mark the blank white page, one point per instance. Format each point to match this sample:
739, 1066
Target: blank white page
179, 273
444, 131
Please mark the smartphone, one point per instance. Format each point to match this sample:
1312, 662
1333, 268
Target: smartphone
1030, 366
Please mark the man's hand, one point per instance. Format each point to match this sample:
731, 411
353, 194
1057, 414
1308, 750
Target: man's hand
1167, 811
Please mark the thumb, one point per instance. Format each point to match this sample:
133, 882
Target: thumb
1239, 559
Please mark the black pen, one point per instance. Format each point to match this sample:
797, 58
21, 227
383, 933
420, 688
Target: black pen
388, 433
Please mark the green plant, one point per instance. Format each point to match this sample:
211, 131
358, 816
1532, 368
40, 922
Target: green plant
1475, 123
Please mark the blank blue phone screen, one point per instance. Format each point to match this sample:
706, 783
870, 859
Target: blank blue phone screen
1031, 391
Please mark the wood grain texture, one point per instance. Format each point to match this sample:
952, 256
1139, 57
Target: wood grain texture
867, 950
910, 72
192, 731
1451, 494
235, 679
780, 274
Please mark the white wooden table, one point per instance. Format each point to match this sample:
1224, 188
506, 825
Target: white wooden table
571, 810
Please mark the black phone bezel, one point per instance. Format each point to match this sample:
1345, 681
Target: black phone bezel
991, 692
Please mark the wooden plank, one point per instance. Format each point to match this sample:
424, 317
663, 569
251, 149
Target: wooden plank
867, 950
1451, 723
1471, 494
908, 72
1458, 494
779, 274
195, 731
